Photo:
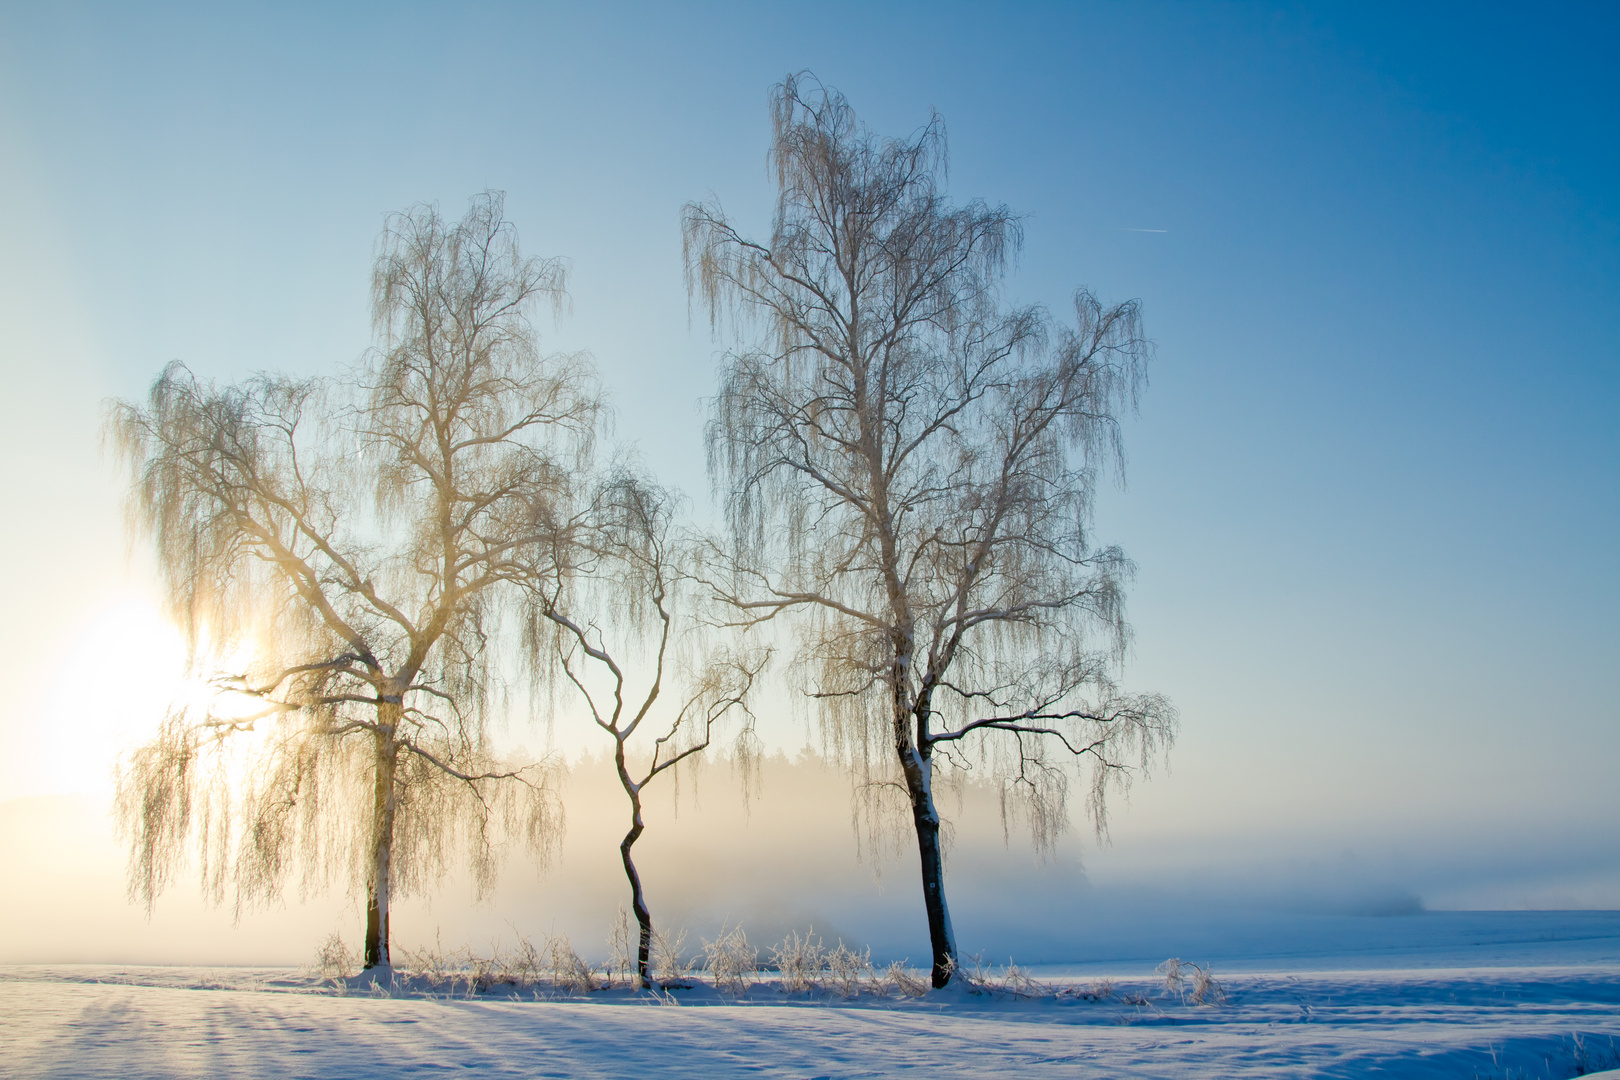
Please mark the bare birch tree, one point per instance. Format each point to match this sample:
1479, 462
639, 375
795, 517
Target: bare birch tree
909, 464
362, 540
611, 615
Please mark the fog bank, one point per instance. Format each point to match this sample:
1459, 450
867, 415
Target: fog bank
786, 856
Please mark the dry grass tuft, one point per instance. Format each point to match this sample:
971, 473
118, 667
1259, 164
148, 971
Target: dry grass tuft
1190, 982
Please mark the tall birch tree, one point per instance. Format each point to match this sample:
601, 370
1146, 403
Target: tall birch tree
356, 543
909, 463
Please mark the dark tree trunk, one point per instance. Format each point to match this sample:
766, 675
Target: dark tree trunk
376, 931
940, 935
638, 901
941, 938
385, 802
917, 767
638, 904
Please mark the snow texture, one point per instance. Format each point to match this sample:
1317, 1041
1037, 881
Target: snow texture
1522, 1010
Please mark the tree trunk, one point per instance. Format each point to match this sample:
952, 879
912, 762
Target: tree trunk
643, 918
385, 802
638, 902
918, 770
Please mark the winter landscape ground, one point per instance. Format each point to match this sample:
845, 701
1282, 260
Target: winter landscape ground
1488, 995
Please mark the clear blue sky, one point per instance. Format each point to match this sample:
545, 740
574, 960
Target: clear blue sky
1373, 487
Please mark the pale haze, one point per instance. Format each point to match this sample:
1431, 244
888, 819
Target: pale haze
1371, 489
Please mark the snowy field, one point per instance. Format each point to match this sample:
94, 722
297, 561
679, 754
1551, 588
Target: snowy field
1490, 995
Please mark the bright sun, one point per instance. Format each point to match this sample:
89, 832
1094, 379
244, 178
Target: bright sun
125, 671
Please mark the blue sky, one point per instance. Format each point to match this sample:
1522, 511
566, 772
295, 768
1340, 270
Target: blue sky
1372, 489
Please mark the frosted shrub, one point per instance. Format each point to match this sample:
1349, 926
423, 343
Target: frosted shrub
668, 963
847, 969
568, 972
974, 972
483, 972
333, 959
434, 968
1015, 980
431, 965
978, 975
1175, 979
801, 960
524, 964
897, 978
731, 961
621, 950
463, 971
1190, 982
1205, 990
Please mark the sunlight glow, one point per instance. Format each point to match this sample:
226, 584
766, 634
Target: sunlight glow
124, 672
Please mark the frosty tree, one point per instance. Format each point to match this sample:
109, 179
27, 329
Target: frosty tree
909, 463
354, 545
611, 612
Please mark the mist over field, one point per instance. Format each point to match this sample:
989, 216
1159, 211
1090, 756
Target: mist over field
787, 858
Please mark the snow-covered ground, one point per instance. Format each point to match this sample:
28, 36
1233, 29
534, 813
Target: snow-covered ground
1500, 996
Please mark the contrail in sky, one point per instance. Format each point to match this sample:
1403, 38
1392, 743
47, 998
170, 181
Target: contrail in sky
1147, 230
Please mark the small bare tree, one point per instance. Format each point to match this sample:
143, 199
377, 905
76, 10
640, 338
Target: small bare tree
611, 600
361, 540
910, 463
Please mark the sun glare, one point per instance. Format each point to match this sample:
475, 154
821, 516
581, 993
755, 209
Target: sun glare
124, 673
